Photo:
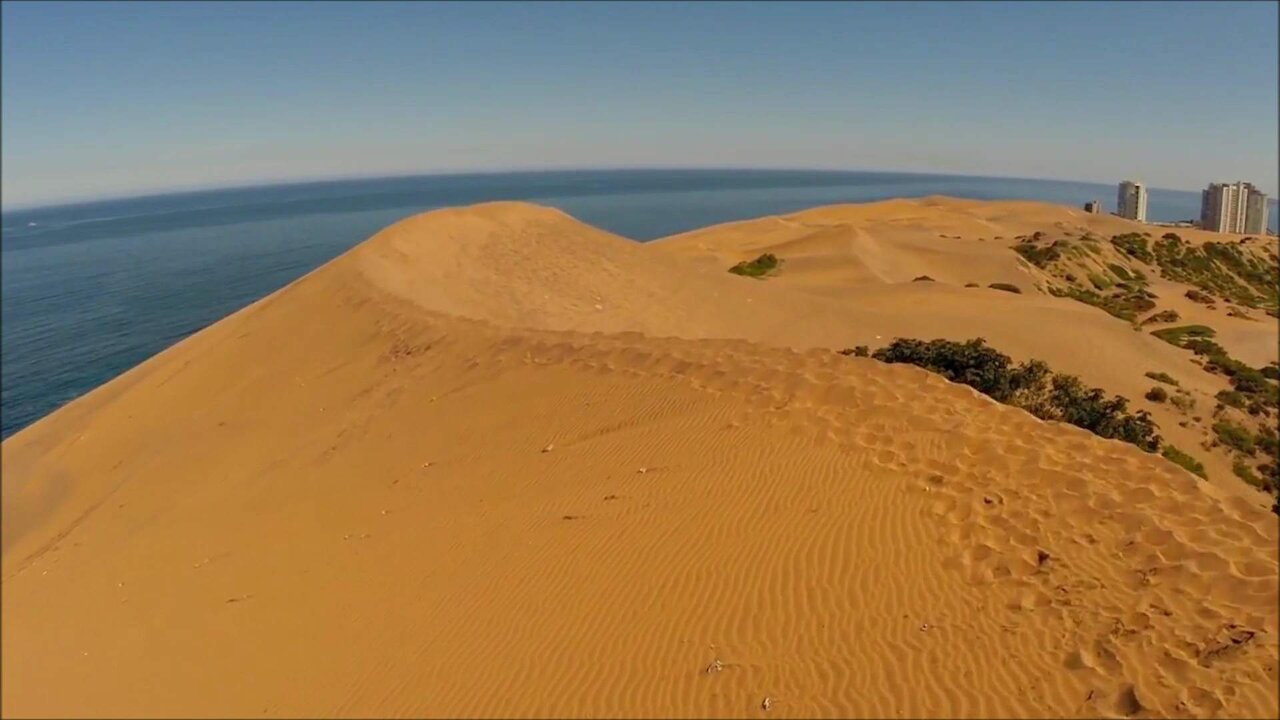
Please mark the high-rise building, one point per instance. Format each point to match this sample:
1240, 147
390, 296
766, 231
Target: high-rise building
1131, 201
1237, 207
1255, 213
1093, 206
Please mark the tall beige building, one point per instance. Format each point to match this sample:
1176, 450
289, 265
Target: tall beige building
1131, 201
1255, 213
1237, 207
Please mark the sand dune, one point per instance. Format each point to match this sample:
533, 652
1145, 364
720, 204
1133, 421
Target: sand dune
494, 462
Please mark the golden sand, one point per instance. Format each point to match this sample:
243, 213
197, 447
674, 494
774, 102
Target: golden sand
495, 462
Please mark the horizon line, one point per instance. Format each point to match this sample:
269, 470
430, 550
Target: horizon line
327, 179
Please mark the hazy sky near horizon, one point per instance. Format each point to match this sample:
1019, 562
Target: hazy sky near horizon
111, 99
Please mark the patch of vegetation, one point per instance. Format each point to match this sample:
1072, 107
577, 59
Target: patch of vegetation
1133, 245
1183, 460
1245, 473
972, 285
1231, 398
1126, 305
1006, 287
922, 278
1157, 394
1120, 271
1041, 255
857, 351
1223, 269
1102, 282
1183, 402
757, 268
1179, 335
1196, 296
1164, 316
1233, 436
1031, 386
1162, 377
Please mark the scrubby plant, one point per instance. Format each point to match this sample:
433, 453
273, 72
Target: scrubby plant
1005, 287
1162, 377
1180, 334
1133, 245
1040, 255
1183, 460
1157, 395
1124, 304
922, 278
1197, 296
759, 267
1164, 316
1233, 436
1231, 398
1245, 473
1031, 386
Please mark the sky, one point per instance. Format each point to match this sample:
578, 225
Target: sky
114, 99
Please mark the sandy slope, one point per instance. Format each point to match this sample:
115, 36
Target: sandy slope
865, 256
337, 501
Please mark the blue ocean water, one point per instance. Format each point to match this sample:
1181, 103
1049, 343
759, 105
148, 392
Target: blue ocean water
89, 290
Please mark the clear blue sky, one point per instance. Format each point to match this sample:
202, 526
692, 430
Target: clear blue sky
103, 99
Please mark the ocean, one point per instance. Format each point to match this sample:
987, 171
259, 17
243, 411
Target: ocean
89, 290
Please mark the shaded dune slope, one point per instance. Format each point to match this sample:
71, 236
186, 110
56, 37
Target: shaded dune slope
494, 462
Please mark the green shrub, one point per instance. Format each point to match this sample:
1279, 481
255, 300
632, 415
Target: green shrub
1245, 473
759, 267
1100, 281
1162, 377
1164, 316
1179, 335
1234, 436
1119, 271
1183, 460
1231, 398
1125, 305
1040, 255
1005, 287
1133, 245
1030, 386
1197, 296
1183, 402
1157, 395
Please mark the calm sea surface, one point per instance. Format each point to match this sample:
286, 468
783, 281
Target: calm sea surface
90, 290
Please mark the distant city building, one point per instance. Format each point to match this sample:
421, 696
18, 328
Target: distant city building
1131, 201
1255, 213
1237, 207
1093, 206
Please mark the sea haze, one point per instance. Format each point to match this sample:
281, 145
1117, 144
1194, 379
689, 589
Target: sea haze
92, 289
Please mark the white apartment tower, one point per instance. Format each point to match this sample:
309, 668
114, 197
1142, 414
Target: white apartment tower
1131, 201
1237, 207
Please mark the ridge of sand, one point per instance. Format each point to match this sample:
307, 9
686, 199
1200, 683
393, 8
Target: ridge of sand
336, 501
